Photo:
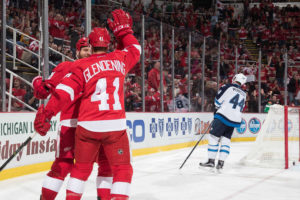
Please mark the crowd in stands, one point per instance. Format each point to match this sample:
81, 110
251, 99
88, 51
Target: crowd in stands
266, 26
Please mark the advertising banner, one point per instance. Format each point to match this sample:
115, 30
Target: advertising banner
148, 133
15, 128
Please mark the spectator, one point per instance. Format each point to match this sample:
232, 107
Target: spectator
154, 77
19, 93
30, 99
292, 88
253, 104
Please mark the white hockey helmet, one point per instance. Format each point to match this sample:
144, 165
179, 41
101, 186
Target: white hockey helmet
240, 78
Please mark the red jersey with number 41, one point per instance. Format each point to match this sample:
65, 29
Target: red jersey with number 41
100, 80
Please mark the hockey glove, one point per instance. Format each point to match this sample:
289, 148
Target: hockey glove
42, 120
121, 24
41, 89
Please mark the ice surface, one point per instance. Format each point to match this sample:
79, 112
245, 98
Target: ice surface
157, 177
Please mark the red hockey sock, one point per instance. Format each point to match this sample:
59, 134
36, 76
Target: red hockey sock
48, 194
80, 173
120, 197
103, 194
121, 182
73, 196
104, 185
54, 180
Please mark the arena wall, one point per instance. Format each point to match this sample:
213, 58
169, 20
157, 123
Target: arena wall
148, 132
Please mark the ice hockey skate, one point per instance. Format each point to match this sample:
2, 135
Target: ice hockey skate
210, 163
219, 166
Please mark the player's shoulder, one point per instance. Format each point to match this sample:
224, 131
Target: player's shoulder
237, 88
62, 66
117, 54
81, 62
225, 86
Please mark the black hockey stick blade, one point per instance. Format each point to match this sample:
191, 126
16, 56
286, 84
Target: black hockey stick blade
16, 152
195, 146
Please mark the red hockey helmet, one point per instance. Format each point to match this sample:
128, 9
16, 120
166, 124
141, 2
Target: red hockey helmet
82, 42
99, 37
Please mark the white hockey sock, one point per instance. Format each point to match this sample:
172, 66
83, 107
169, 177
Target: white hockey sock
104, 182
213, 146
225, 148
53, 184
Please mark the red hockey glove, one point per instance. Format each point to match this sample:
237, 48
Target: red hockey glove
42, 120
122, 23
41, 89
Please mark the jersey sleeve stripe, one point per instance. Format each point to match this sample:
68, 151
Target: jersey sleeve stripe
51, 75
67, 89
223, 90
138, 47
217, 102
69, 122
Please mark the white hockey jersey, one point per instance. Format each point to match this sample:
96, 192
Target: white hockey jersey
230, 102
181, 104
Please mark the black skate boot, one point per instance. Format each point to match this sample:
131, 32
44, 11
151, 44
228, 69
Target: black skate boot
210, 163
220, 165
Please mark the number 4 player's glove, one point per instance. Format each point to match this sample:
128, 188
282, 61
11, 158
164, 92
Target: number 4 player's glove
121, 24
42, 120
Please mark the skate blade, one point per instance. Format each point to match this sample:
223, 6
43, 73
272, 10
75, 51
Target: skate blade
207, 169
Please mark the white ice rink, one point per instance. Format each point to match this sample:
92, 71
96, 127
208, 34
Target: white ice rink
157, 177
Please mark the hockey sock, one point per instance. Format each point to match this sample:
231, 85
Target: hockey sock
225, 148
104, 181
121, 182
213, 146
79, 174
104, 185
55, 178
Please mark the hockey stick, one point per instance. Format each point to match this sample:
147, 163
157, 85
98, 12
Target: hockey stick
195, 145
17, 151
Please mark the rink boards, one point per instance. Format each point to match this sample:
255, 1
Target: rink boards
148, 133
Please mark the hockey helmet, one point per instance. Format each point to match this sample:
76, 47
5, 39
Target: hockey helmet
99, 37
82, 42
240, 78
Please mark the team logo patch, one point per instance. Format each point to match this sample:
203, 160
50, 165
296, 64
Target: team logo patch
120, 151
254, 125
242, 128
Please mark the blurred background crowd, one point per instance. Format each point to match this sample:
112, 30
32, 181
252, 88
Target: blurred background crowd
260, 25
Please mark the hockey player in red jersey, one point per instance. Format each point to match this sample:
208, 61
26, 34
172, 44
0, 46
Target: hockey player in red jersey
99, 80
68, 122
